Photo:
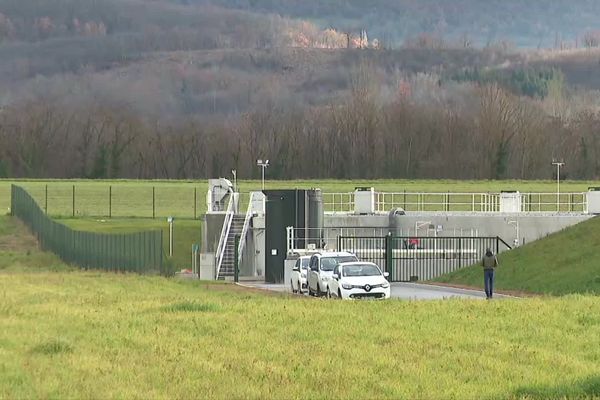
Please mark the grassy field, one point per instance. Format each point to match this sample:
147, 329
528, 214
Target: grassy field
130, 198
565, 262
72, 334
98, 335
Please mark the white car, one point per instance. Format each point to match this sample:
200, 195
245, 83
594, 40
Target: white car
321, 270
359, 280
299, 272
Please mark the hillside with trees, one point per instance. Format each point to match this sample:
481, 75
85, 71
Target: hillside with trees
530, 23
174, 89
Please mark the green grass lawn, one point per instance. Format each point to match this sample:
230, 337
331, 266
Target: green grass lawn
185, 232
102, 335
133, 198
565, 262
73, 334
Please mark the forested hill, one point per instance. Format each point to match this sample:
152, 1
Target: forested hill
195, 88
529, 23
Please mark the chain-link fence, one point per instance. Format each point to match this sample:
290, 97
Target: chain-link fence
135, 252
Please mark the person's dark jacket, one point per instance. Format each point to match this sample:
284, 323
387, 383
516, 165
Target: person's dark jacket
489, 261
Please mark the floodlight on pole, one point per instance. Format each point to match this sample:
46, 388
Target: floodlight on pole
263, 164
558, 165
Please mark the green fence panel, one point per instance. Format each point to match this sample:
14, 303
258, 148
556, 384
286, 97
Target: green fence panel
140, 252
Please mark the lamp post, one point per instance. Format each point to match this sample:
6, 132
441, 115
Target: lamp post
263, 164
558, 165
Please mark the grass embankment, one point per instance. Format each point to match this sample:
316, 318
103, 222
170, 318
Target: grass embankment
19, 249
564, 262
133, 198
73, 334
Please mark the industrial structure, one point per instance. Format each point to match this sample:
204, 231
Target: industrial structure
414, 236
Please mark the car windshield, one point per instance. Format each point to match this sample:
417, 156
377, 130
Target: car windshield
305, 262
361, 270
329, 263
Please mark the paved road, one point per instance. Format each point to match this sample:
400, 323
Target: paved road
407, 291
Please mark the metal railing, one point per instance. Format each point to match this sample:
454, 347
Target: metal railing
462, 202
224, 235
309, 239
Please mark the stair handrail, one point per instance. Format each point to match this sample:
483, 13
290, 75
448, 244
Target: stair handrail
224, 235
245, 228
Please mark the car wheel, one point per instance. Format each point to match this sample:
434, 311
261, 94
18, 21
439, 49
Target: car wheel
328, 293
310, 292
318, 290
339, 294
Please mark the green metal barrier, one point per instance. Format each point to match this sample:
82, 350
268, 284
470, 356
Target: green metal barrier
133, 252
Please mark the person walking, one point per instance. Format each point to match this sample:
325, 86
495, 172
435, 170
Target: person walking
489, 263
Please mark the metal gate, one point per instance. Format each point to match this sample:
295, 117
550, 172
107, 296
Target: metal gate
420, 258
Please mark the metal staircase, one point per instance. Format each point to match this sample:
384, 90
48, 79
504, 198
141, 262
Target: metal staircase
226, 269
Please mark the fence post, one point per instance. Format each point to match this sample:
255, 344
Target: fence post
153, 203
160, 258
46, 201
194, 203
12, 200
389, 255
110, 201
73, 201
198, 260
571, 200
236, 266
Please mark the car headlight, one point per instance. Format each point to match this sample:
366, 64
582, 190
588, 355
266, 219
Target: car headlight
303, 275
346, 286
385, 285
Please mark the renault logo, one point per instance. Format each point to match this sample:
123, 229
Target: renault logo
367, 288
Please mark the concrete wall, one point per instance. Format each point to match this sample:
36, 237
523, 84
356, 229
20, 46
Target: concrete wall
531, 226
253, 260
207, 266
259, 235
211, 232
